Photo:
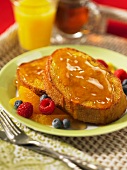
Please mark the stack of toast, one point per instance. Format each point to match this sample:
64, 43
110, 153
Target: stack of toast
77, 83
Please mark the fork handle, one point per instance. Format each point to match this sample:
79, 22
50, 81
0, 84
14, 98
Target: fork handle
76, 163
53, 154
73, 162
69, 163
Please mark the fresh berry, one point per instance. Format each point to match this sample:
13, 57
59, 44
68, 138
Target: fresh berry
66, 123
47, 106
124, 85
121, 74
17, 103
124, 82
44, 96
125, 89
57, 123
25, 109
103, 62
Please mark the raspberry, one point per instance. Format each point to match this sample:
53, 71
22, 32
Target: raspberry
121, 74
25, 109
47, 106
103, 62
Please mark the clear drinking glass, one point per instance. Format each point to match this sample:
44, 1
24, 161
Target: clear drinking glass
75, 19
35, 20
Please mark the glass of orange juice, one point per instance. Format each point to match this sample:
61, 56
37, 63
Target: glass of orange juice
35, 19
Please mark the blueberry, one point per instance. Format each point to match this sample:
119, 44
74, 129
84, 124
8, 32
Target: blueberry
125, 89
44, 96
124, 82
66, 123
56, 123
17, 103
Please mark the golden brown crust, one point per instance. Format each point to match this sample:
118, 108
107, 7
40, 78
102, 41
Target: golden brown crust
86, 111
30, 75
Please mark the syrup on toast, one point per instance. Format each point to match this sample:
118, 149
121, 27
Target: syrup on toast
83, 87
30, 75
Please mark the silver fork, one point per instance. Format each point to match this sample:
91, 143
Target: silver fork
17, 136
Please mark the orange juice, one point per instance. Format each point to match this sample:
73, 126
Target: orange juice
35, 20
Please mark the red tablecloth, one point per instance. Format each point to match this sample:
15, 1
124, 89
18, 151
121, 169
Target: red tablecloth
6, 15
115, 27
7, 18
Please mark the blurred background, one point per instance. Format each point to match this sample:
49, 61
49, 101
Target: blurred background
115, 27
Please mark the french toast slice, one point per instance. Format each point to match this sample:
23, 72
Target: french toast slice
30, 75
83, 87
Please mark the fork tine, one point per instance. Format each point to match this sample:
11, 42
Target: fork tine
15, 128
5, 127
9, 124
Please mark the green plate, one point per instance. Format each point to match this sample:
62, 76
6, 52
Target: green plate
8, 89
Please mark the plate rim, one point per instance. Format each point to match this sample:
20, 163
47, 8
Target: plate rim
60, 132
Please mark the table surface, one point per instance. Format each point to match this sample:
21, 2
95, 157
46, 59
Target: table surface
7, 17
109, 149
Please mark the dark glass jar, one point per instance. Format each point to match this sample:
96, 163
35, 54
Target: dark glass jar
75, 15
